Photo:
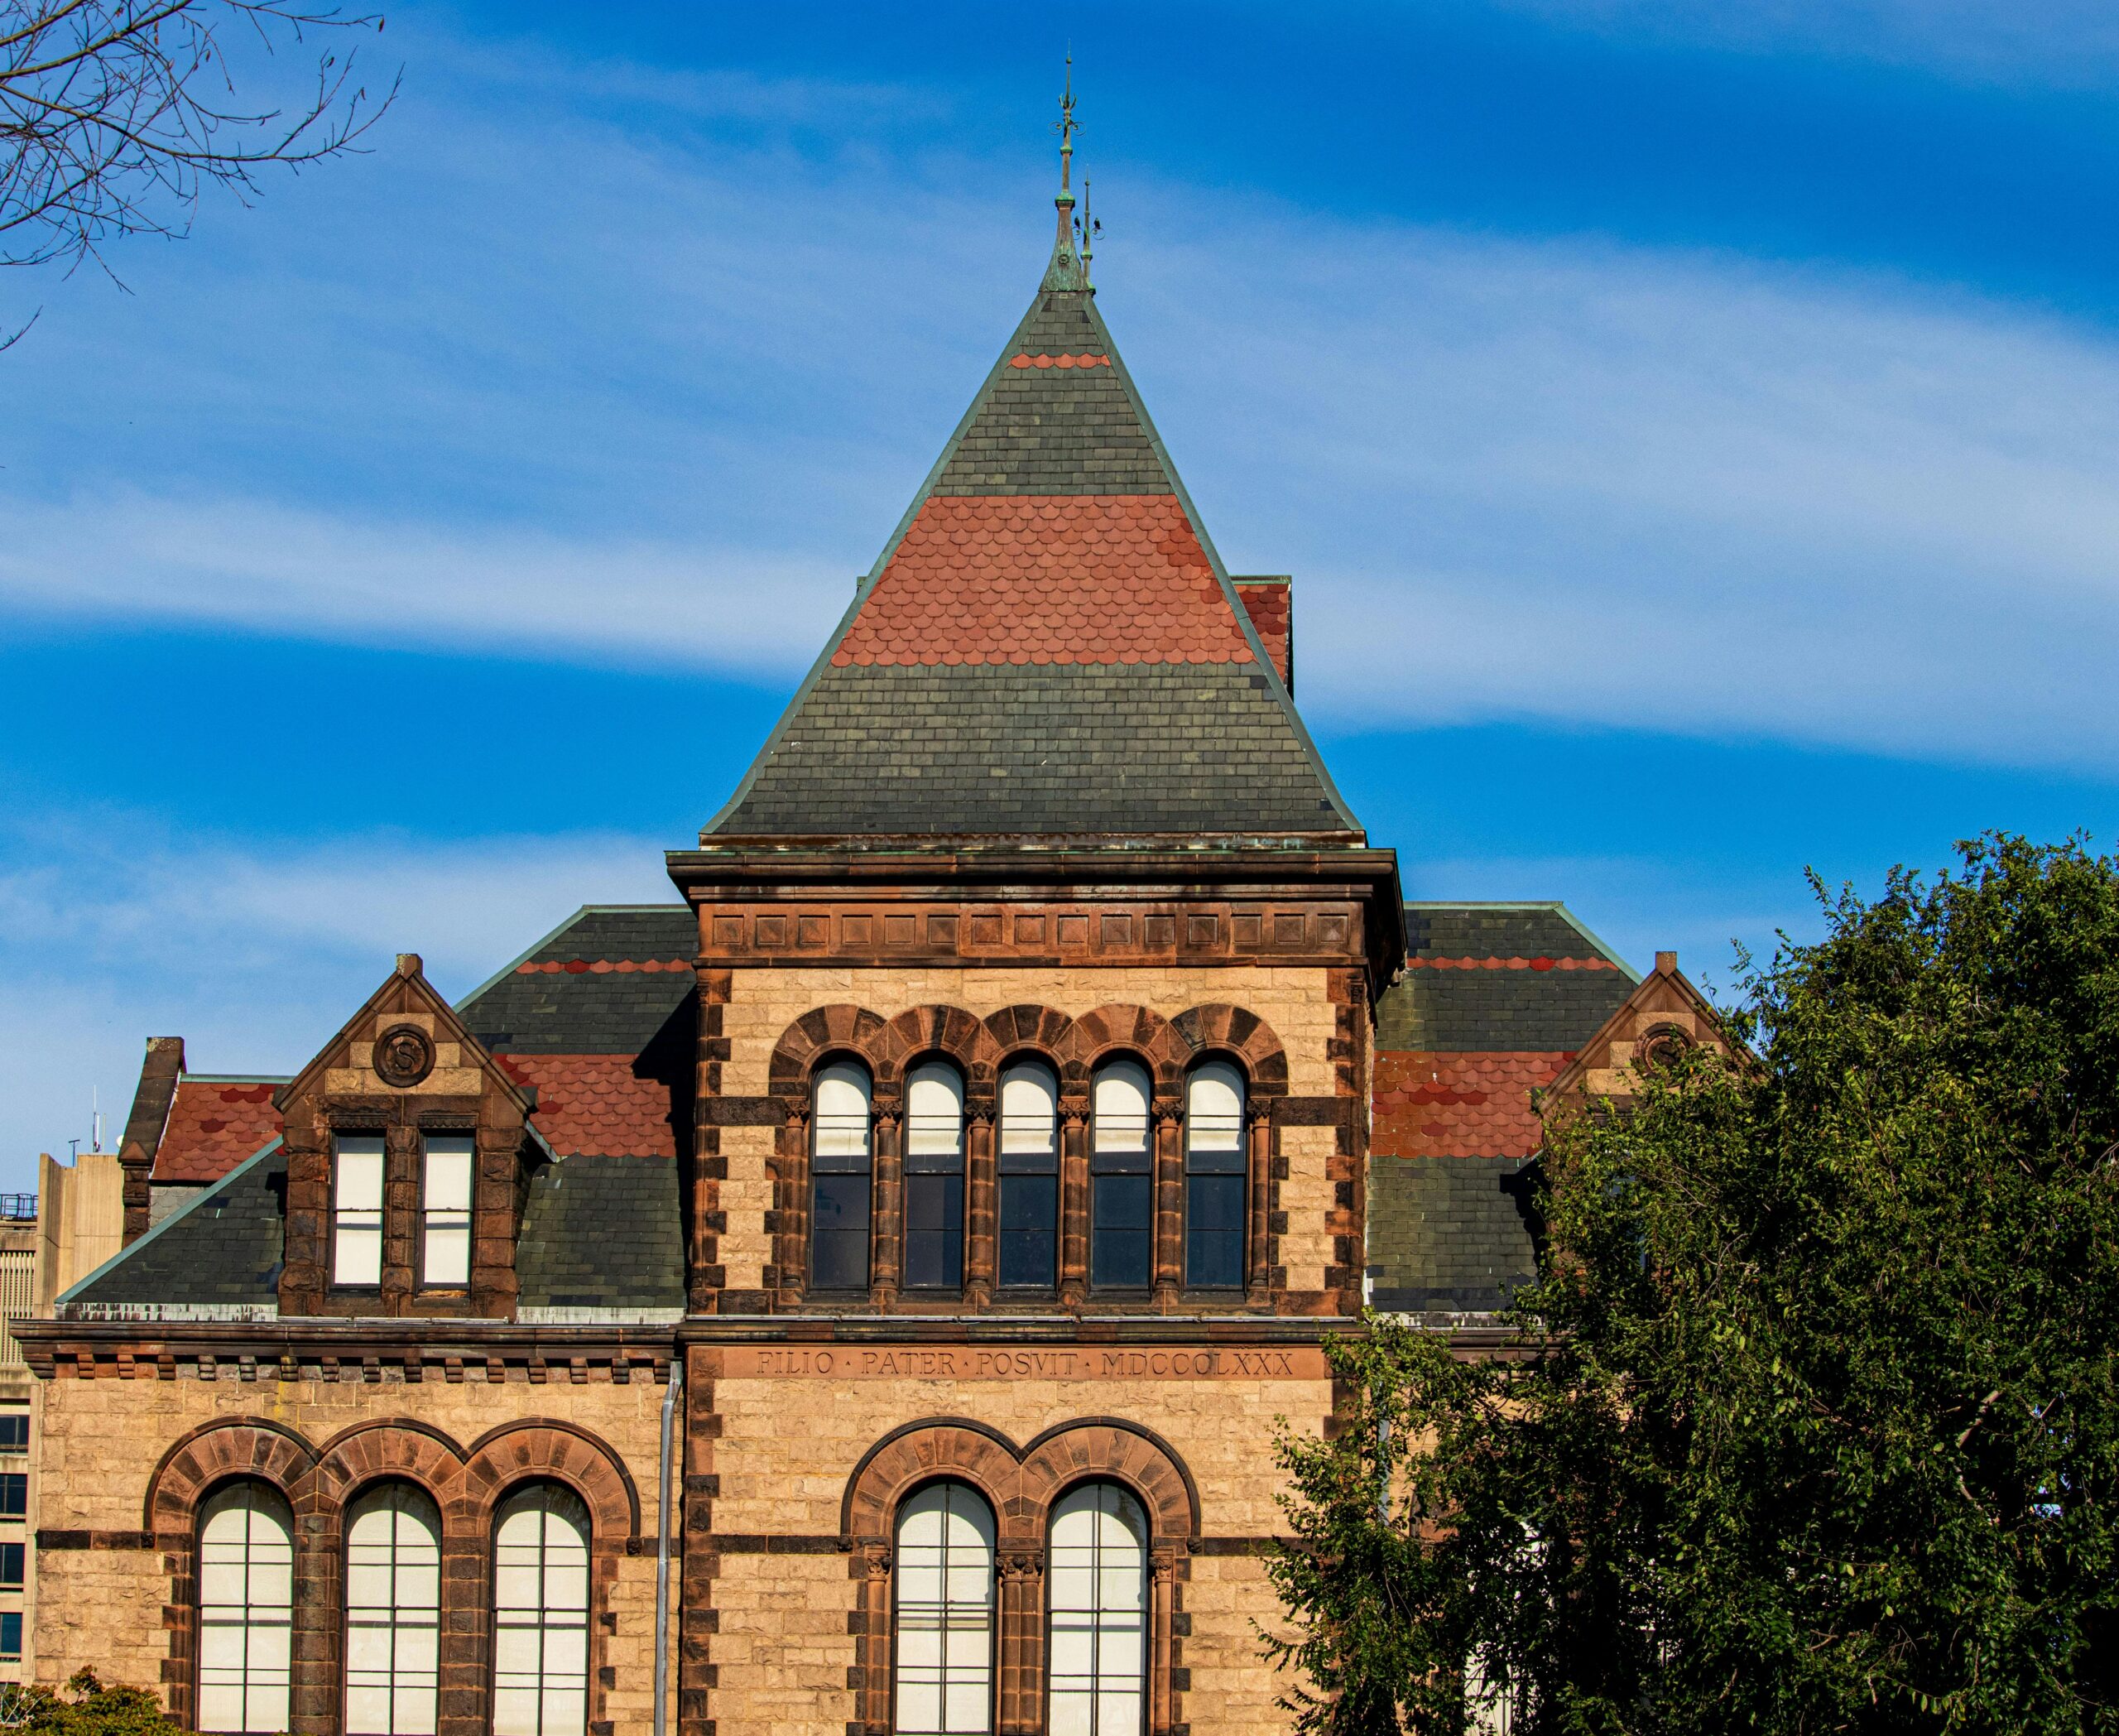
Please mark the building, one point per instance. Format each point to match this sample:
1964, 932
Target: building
859, 1296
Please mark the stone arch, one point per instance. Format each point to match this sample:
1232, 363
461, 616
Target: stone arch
1217, 1028
216, 1453
840, 1027
537, 1449
390, 1448
1026, 1030
1109, 1449
924, 1030
921, 1452
1115, 1030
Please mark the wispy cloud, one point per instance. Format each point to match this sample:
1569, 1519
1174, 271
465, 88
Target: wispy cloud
254, 565
1560, 480
253, 957
2068, 43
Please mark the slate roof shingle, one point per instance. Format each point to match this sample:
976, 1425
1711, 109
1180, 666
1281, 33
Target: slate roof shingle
214, 1124
1494, 1002
602, 1231
1031, 656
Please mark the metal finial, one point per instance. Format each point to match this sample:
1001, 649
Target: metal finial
1067, 126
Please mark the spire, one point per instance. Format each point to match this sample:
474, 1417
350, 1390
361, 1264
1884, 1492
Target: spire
1066, 271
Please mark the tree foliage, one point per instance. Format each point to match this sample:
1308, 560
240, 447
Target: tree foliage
86, 1709
116, 114
1811, 1423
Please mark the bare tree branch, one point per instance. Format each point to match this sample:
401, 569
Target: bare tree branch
116, 115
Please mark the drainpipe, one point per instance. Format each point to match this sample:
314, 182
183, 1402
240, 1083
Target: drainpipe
670, 1396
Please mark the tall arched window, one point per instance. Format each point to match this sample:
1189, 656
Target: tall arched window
1096, 1650
1214, 1168
540, 1613
1122, 1182
393, 1612
934, 1177
943, 1660
839, 1178
246, 1608
1029, 1177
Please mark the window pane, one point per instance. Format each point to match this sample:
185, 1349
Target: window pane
1096, 1636
245, 1615
393, 1615
839, 1178
1030, 1231
1121, 1215
14, 1431
934, 1178
14, 1494
11, 1566
1120, 1102
942, 1661
1213, 1108
445, 1210
1030, 1110
357, 1209
540, 1614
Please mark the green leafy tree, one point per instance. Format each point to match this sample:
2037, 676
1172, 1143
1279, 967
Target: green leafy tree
1810, 1424
86, 1709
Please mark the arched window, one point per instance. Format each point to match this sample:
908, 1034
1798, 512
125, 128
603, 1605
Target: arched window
839, 1178
1122, 1181
1096, 1650
1214, 1167
1029, 1177
943, 1660
246, 1608
393, 1612
540, 1613
934, 1177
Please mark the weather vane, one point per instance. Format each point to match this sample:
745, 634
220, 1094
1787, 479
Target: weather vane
1067, 126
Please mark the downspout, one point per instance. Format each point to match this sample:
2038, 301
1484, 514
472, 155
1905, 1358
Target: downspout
670, 1396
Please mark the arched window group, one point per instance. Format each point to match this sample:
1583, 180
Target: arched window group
1121, 1228
1095, 1620
392, 1612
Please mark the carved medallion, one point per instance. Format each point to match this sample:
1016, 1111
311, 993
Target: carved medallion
404, 1055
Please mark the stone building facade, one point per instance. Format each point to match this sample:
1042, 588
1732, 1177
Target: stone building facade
861, 1296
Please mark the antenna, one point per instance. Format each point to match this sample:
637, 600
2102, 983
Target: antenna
95, 1095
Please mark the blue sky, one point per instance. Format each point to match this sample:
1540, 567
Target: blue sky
1693, 430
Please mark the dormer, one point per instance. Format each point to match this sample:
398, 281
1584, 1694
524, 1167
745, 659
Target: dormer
406, 1145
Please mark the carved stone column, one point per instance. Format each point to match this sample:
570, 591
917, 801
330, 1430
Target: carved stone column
871, 1697
401, 1214
887, 1210
1168, 1203
1073, 1202
1021, 1636
980, 1206
1258, 1253
1163, 1558
791, 1193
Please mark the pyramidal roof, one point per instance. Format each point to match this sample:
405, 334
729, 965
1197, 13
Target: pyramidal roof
1049, 645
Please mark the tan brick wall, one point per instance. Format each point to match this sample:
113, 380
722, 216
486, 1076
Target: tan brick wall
1294, 1000
788, 1447
102, 1440
1306, 1197
763, 1003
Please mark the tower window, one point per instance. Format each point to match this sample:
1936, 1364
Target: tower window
944, 1657
1214, 1177
357, 1209
393, 1614
934, 1178
445, 1211
1122, 1180
1098, 1630
1028, 1164
540, 1614
246, 1609
839, 1178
